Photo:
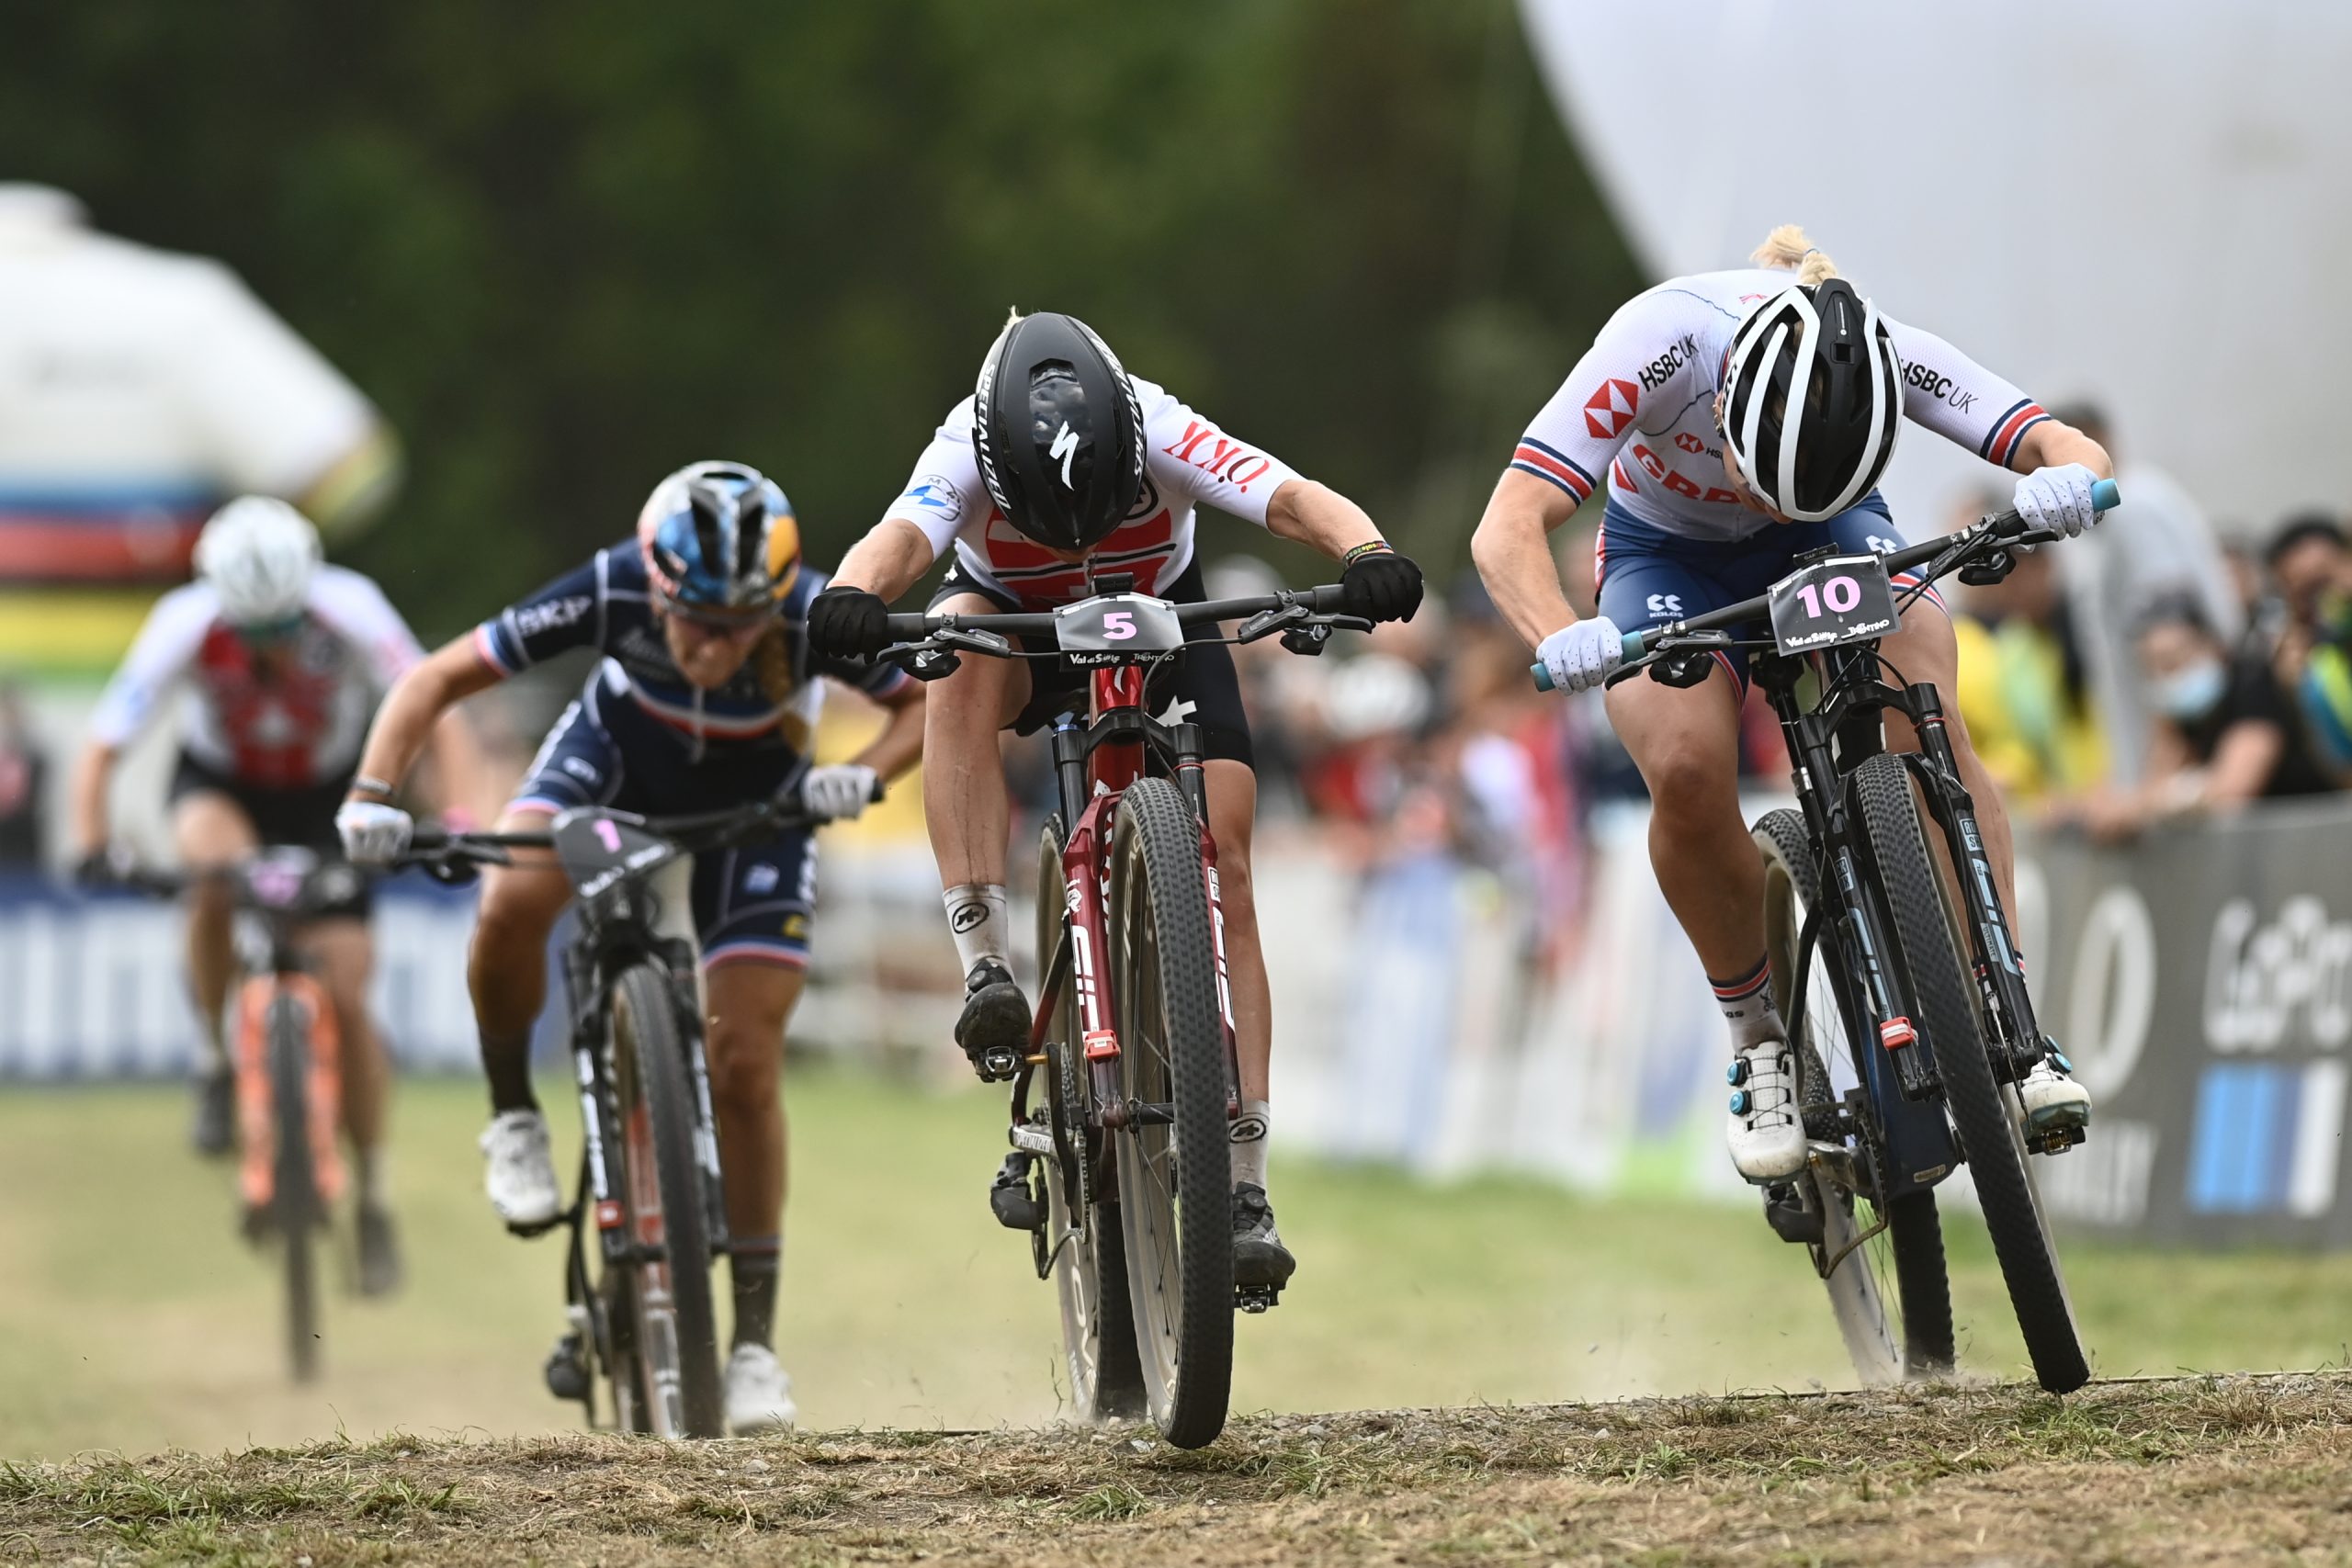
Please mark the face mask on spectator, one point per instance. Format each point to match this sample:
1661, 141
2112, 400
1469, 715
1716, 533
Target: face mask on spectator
2190, 693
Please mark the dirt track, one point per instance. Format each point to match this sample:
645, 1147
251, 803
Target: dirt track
2193, 1471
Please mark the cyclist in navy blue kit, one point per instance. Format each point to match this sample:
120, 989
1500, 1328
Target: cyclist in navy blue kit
707, 697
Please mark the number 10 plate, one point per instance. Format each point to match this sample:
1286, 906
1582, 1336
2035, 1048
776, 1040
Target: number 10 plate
1840, 600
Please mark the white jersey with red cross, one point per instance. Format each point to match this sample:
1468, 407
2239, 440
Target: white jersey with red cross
1639, 407
279, 716
1188, 461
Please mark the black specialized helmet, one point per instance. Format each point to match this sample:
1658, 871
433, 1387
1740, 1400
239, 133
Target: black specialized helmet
1059, 432
1812, 399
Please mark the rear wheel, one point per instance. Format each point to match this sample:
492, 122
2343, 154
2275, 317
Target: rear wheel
1091, 1266
1929, 959
1175, 1170
1887, 1284
297, 1210
670, 1353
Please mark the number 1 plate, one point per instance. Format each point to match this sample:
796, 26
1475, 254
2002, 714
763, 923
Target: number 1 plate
1841, 600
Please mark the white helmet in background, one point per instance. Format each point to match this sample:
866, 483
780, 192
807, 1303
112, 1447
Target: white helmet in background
258, 554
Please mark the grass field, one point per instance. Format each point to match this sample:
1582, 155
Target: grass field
131, 1319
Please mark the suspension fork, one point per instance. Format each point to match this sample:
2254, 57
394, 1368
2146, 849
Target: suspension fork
1992, 950
591, 1026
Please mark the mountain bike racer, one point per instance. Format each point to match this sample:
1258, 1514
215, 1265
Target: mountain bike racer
278, 659
1738, 420
707, 697
1061, 467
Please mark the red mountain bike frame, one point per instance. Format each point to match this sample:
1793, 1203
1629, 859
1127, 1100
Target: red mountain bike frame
1112, 761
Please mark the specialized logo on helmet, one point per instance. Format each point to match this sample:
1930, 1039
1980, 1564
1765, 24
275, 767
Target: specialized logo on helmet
1608, 410
1064, 446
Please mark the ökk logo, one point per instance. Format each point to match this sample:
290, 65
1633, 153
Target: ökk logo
1608, 410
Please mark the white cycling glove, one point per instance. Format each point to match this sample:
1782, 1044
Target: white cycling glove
838, 793
2058, 499
374, 834
1582, 653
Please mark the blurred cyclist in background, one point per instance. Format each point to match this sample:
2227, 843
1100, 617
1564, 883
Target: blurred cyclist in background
706, 698
282, 658
1739, 418
1059, 466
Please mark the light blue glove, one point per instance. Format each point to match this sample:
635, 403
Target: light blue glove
1582, 654
2058, 499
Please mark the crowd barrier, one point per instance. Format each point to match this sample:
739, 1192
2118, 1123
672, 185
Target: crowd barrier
2202, 981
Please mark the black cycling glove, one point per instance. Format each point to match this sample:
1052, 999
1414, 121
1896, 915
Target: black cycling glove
848, 623
1381, 585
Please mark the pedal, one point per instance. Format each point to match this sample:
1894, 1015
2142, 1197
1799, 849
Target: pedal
1255, 1297
567, 1367
529, 1232
1789, 1216
2056, 1142
998, 1064
1011, 1197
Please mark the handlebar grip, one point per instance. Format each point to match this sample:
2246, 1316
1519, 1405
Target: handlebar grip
906, 627
1542, 674
2105, 496
428, 837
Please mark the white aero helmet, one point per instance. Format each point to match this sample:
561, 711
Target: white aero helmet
1812, 399
258, 554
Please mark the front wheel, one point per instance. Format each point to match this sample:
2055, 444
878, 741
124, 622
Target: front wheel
666, 1371
1929, 962
297, 1204
1175, 1169
1880, 1260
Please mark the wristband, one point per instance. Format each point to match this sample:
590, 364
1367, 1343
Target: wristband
1369, 548
362, 784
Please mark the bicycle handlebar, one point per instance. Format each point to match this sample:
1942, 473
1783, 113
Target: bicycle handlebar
2001, 527
687, 833
1322, 601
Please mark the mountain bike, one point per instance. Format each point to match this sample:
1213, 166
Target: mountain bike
285, 1051
1896, 968
1120, 1172
645, 1322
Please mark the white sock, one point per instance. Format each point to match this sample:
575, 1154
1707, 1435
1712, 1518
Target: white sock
1247, 1136
1749, 1007
975, 914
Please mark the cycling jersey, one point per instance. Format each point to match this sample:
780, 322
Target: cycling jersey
607, 605
1188, 461
1639, 407
280, 716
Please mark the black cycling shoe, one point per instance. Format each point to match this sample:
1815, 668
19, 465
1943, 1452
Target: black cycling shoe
994, 1029
379, 1253
1259, 1258
214, 1130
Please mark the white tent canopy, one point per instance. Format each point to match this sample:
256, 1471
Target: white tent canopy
2148, 202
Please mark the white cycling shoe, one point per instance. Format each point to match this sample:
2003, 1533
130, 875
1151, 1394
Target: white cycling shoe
758, 1395
2053, 1102
1764, 1131
521, 1179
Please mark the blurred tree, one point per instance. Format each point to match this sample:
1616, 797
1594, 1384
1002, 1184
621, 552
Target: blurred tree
567, 246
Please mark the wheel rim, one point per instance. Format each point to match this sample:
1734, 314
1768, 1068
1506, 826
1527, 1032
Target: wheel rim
654, 1308
1078, 1263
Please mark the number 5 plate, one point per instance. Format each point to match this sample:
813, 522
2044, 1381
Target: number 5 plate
1105, 630
1843, 599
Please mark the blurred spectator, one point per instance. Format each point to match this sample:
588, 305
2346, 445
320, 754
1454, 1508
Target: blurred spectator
2157, 544
2312, 653
2024, 690
2228, 733
23, 772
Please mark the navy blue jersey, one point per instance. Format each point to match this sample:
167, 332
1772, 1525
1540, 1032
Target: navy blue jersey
604, 605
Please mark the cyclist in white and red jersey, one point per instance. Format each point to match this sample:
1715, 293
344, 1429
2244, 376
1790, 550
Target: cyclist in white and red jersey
1683, 410
1058, 468
277, 660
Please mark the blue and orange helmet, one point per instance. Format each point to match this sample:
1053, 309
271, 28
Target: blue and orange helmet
719, 538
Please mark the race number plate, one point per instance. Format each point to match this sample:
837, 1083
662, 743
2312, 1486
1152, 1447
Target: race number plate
1843, 599
1108, 629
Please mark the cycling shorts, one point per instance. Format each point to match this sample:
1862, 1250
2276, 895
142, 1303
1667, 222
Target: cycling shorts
303, 817
1199, 687
1649, 576
751, 904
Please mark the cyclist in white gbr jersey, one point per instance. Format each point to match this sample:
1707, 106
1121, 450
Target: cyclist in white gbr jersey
1681, 410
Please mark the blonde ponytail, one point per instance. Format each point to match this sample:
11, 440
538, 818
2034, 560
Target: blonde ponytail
1786, 249
771, 663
